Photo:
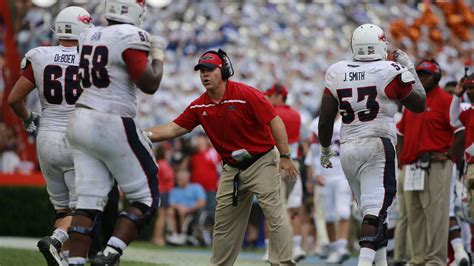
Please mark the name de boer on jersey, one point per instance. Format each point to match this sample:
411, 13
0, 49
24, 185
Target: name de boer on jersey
65, 58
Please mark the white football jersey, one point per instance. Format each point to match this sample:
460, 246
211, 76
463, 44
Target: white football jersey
55, 70
104, 76
359, 87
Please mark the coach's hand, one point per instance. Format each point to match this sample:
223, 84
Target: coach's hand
31, 123
403, 59
158, 45
326, 154
290, 171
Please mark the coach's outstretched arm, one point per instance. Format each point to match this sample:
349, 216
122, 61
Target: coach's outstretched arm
281, 139
166, 131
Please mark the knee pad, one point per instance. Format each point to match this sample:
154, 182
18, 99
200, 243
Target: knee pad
93, 215
379, 240
148, 213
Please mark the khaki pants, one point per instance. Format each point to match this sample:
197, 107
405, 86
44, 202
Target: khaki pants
428, 217
401, 247
262, 179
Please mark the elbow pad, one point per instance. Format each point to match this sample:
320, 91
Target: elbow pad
407, 77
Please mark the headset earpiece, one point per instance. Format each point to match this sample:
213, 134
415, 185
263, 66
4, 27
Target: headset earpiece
227, 70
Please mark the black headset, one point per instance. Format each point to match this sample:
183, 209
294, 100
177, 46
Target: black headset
227, 70
437, 76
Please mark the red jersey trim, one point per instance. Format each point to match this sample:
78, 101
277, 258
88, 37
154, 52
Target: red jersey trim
28, 74
136, 61
397, 89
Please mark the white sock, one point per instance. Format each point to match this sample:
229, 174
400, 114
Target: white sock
366, 257
77, 260
297, 241
333, 246
60, 235
381, 257
457, 246
117, 243
266, 242
342, 244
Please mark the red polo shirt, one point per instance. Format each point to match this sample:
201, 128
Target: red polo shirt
467, 119
239, 121
203, 166
427, 131
292, 120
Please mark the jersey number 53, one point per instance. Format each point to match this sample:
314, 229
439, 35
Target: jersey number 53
348, 114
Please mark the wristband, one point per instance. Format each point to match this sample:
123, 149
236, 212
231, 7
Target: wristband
286, 155
157, 54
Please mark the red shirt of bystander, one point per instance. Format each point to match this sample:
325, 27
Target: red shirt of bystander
427, 131
165, 176
292, 120
239, 121
203, 166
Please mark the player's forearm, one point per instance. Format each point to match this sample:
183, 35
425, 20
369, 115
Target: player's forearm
329, 109
417, 86
19, 108
279, 135
455, 111
457, 147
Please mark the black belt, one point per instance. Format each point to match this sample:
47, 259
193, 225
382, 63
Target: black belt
242, 166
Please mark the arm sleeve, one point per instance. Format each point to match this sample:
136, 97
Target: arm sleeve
187, 119
137, 61
132, 37
455, 112
397, 89
263, 109
28, 73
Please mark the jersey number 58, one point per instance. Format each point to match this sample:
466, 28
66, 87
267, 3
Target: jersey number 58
92, 67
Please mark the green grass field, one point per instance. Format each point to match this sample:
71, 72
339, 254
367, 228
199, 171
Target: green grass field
21, 257
22, 251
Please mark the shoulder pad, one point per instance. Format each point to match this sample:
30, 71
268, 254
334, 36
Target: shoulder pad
407, 77
24, 63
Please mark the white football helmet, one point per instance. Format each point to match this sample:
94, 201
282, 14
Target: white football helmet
369, 43
125, 11
71, 21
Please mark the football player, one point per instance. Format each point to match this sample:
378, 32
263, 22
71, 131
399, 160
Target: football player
105, 141
366, 91
54, 71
